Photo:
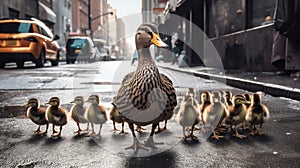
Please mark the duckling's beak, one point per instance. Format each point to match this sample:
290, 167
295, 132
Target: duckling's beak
247, 102
47, 103
157, 41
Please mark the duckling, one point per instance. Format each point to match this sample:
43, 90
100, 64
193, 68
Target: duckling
215, 114
248, 98
96, 114
37, 115
189, 115
146, 96
237, 114
205, 102
115, 117
191, 92
256, 114
56, 115
78, 113
228, 98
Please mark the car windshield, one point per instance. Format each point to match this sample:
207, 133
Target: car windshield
16, 28
77, 43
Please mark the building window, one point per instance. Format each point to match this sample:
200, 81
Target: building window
225, 16
261, 12
13, 13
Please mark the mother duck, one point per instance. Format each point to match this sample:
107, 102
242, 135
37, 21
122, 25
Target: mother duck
146, 96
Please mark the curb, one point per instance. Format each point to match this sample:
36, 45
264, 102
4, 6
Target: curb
253, 86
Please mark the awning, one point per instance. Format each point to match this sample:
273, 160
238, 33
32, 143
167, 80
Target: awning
45, 13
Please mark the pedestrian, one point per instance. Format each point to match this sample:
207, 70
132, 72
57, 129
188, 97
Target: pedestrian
286, 41
134, 57
176, 47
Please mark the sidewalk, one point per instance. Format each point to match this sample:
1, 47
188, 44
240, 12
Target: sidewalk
267, 82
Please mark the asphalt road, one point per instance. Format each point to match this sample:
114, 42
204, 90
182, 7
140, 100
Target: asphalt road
19, 147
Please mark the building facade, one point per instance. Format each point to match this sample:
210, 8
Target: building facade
18, 9
63, 26
234, 27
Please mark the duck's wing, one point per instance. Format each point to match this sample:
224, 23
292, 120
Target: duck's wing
103, 111
166, 79
266, 111
127, 78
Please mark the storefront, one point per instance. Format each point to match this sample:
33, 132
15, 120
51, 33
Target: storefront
223, 21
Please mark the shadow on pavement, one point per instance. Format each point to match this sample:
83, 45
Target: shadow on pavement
79, 136
190, 142
52, 141
165, 159
118, 137
35, 138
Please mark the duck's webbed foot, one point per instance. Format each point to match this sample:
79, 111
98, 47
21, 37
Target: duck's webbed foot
150, 143
216, 136
139, 129
136, 145
239, 135
37, 130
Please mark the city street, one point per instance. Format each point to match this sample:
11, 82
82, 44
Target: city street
20, 147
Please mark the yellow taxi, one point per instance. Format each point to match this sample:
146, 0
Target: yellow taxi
27, 40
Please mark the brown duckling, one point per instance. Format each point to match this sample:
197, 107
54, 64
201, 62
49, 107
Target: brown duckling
78, 113
228, 98
256, 114
247, 105
96, 114
115, 117
37, 115
189, 115
206, 100
237, 114
56, 115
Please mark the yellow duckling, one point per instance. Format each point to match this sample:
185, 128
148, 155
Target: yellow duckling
237, 114
189, 115
78, 113
96, 114
256, 114
115, 117
37, 115
56, 115
215, 113
205, 102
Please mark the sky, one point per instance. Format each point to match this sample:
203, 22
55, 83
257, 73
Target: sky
130, 13
126, 7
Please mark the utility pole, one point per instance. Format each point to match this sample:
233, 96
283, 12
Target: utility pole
89, 15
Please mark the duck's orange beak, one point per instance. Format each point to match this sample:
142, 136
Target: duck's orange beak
157, 41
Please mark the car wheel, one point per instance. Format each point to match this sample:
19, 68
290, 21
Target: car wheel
20, 64
40, 62
55, 62
2, 65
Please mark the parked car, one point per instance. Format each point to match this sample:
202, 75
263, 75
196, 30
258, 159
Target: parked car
103, 55
27, 40
81, 48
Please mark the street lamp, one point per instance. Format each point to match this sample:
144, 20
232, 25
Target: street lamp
107, 13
